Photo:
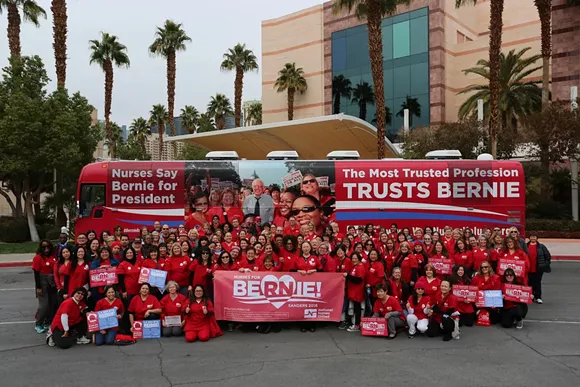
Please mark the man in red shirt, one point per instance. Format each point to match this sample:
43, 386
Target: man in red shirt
69, 324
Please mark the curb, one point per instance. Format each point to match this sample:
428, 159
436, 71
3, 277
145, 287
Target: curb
565, 258
15, 264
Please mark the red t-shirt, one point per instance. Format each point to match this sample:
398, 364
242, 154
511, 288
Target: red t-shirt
533, 250
375, 275
431, 288
446, 304
201, 274
407, 265
131, 273
172, 307
70, 308
289, 260
479, 256
465, 258
419, 307
356, 292
310, 263
78, 278
492, 283
196, 320
345, 265
138, 307
44, 265
104, 304
391, 305
148, 263
178, 270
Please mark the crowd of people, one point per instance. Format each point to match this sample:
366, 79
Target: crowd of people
387, 274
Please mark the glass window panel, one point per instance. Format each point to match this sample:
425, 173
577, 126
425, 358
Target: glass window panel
339, 54
401, 39
400, 62
417, 58
388, 42
420, 78
371, 113
388, 79
338, 34
356, 30
419, 35
419, 12
386, 22
401, 17
423, 101
397, 120
389, 104
368, 77
402, 82
358, 50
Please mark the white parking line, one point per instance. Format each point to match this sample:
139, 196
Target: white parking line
16, 322
554, 321
15, 289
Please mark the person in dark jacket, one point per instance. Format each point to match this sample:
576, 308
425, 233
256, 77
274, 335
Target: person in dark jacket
540, 260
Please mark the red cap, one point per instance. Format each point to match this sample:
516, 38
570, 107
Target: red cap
182, 233
417, 243
115, 244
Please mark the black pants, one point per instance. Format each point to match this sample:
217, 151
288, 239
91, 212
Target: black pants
467, 319
125, 323
357, 312
75, 332
434, 329
535, 281
509, 316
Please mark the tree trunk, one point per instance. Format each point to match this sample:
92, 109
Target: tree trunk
60, 215
14, 30
545, 13
495, 28
291, 93
376, 57
171, 73
108, 67
9, 201
238, 89
362, 110
59, 28
160, 130
336, 108
28, 196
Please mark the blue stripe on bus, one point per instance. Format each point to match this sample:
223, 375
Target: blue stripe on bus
149, 223
386, 215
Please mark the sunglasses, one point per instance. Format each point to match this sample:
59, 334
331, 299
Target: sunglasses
485, 267
205, 253
46, 247
308, 181
306, 210
509, 275
496, 229
419, 289
165, 228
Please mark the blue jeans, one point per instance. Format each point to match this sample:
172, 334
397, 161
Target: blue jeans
108, 338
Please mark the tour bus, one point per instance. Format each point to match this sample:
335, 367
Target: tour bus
439, 191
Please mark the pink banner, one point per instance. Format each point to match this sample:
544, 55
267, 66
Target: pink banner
443, 266
93, 321
518, 266
465, 292
373, 326
518, 293
267, 296
103, 276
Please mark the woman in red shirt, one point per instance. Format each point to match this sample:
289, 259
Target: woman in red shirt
128, 275
172, 305
486, 279
466, 308
375, 275
388, 307
408, 264
177, 267
43, 269
61, 269
512, 251
307, 262
201, 270
443, 309
225, 263
144, 306
200, 320
481, 253
441, 252
428, 245
389, 254
78, 273
463, 256
69, 325
107, 336
355, 286
416, 305
512, 312
429, 282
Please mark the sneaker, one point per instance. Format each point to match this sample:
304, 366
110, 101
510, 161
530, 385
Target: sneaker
539, 301
50, 341
40, 329
520, 324
457, 337
391, 336
83, 340
230, 327
342, 325
411, 336
353, 328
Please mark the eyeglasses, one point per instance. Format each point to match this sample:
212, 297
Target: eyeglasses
165, 228
226, 257
485, 267
308, 181
180, 227
205, 253
305, 209
509, 275
496, 229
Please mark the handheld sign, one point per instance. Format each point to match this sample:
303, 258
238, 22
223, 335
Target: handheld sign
103, 319
373, 326
489, 299
173, 321
151, 329
292, 179
465, 292
154, 277
518, 293
103, 276
519, 267
442, 266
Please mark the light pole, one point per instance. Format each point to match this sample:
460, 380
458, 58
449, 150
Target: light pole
574, 162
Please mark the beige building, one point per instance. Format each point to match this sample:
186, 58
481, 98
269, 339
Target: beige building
152, 148
426, 47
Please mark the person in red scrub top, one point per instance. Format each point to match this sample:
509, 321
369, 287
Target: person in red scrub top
69, 325
540, 260
408, 264
467, 310
43, 269
430, 283
200, 320
388, 307
144, 306
416, 306
172, 305
78, 274
107, 336
61, 268
443, 309
486, 279
375, 275
512, 313
512, 251
355, 291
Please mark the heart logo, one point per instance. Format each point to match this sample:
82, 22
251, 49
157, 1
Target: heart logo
278, 290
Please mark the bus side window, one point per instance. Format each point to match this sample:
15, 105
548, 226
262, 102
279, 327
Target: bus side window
92, 195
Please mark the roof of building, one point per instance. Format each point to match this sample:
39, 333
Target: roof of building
312, 138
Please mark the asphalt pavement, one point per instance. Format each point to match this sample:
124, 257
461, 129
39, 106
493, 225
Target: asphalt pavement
545, 352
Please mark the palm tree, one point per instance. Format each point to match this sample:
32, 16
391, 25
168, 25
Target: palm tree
495, 31
206, 123
374, 11
388, 116
363, 94
414, 107
219, 107
59, 28
516, 96
545, 12
242, 61
106, 53
168, 41
31, 12
254, 116
159, 116
292, 79
189, 118
341, 87
140, 130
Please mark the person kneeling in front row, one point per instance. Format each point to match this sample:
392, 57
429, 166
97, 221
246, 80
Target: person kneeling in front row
69, 325
200, 322
442, 312
417, 304
388, 307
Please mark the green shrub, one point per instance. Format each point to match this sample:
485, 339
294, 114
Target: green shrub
14, 230
52, 233
559, 225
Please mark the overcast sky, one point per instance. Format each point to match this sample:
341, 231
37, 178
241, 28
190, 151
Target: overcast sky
214, 26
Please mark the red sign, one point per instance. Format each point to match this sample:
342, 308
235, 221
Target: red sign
443, 266
103, 277
137, 330
465, 292
518, 293
373, 326
519, 267
92, 321
267, 296
483, 318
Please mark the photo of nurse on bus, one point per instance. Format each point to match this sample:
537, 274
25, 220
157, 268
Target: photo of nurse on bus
296, 196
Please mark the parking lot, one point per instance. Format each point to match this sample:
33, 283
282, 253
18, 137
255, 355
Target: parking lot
546, 352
